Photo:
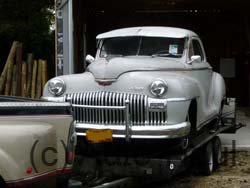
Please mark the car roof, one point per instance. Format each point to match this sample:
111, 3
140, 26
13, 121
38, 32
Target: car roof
170, 32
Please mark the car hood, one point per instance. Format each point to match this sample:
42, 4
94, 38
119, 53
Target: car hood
112, 68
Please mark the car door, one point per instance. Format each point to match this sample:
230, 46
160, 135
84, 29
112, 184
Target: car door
202, 72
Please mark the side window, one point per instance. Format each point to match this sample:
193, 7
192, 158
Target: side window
197, 50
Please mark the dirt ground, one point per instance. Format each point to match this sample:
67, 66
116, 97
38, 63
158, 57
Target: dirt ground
233, 173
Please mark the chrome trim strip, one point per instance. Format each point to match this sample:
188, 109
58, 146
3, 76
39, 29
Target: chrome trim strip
127, 127
146, 111
81, 110
167, 131
102, 103
99, 107
57, 116
110, 104
113, 104
87, 110
138, 109
34, 104
95, 115
77, 110
131, 107
135, 107
117, 112
54, 99
137, 136
142, 111
61, 99
84, 103
180, 99
106, 110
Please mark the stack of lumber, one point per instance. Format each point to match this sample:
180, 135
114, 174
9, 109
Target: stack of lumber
23, 78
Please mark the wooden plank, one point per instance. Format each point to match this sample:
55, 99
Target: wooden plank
9, 78
24, 80
44, 73
39, 80
29, 76
9, 59
19, 68
33, 84
14, 82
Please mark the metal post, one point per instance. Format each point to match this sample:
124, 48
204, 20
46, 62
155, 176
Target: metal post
70, 37
64, 37
59, 38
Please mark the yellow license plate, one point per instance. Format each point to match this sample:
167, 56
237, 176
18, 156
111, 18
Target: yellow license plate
99, 136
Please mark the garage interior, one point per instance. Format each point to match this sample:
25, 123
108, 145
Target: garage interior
222, 25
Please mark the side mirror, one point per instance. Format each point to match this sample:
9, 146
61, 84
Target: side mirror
195, 58
89, 59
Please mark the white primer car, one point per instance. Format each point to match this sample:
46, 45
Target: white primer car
144, 83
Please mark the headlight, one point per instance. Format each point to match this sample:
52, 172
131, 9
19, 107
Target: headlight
56, 86
158, 87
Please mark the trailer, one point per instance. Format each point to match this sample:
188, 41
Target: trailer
204, 155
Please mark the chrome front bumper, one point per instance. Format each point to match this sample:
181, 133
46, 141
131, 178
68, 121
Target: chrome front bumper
139, 132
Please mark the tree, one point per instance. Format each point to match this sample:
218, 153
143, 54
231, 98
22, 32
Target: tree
27, 21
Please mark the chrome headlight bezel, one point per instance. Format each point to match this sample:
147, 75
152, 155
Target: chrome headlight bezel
158, 87
56, 86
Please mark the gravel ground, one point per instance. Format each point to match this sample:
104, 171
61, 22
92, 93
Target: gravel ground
233, 173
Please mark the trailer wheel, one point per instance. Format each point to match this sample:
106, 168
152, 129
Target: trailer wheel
217, 152
207, 160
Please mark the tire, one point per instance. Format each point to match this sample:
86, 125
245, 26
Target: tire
207, 159
217, 152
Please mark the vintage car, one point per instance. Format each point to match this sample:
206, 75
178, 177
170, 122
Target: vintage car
144, 84
37, 141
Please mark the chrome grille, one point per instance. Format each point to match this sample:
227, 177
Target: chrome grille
138, 109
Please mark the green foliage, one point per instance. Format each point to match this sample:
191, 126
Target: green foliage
27, 21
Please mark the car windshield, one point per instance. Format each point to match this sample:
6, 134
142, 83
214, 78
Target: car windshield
144, 46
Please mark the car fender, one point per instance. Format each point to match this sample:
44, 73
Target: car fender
189, 89
218, 91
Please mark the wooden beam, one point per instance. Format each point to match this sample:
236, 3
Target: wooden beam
19, 68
